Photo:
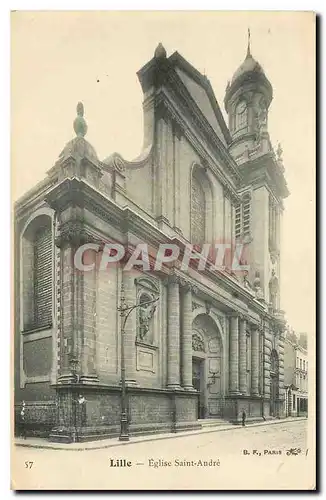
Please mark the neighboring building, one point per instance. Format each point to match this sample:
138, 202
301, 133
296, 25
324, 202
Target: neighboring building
296, 374
214, 344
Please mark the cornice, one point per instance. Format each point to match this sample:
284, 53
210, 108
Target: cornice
33, 197
75, 233
265, 169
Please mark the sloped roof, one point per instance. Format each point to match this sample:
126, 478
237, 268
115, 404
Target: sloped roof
202, 92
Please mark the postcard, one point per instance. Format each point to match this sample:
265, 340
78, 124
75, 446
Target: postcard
163, 190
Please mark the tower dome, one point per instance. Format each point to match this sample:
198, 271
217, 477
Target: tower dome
249, 72
249, 65
247, 99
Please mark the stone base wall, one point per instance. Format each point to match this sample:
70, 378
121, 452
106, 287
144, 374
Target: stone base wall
150, 411
39, 419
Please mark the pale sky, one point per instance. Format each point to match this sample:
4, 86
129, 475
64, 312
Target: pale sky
60, 58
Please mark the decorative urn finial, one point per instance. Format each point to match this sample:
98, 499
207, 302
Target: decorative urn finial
160, 52
80, 125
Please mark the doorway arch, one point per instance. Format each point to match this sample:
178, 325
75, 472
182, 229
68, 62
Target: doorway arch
207, 366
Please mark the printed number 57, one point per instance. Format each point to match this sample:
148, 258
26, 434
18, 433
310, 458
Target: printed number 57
28, 465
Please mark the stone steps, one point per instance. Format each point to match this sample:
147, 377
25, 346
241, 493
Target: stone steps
211, 422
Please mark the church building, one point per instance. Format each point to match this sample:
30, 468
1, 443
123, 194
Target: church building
195, 345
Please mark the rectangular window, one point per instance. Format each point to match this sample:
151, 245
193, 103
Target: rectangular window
293, 406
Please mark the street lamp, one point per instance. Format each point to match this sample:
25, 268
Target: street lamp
125, 311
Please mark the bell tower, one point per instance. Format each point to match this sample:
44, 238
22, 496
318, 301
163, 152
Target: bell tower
258, 217
247, 100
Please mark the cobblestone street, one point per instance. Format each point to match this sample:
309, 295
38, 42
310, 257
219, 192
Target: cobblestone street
250, 457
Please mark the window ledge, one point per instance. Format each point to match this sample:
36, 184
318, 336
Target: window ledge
37, 329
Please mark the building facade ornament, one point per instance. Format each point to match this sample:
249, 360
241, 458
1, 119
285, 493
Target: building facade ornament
75, 234
198, 342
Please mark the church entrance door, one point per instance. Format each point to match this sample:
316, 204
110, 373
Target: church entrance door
199, 384
207, 367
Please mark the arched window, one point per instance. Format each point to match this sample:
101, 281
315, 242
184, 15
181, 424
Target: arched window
198, 212
241, 115
37, 274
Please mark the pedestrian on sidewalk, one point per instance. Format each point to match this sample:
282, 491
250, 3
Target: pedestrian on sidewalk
243, 418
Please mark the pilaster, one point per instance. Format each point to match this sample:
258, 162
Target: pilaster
242, 356
130, 329
255, 360
234, 354
173, 333
186, 338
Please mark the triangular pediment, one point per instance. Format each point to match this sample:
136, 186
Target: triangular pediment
202, 93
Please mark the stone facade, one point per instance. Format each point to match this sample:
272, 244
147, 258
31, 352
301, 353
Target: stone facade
213, 345
296, 374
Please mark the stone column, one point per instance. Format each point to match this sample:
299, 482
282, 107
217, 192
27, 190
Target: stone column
186, 339
234, 354
130, 329
173, 333
242, 356
255, 361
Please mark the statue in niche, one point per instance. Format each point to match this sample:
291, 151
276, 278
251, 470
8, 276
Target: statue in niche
146, 313
273, 289
257, 286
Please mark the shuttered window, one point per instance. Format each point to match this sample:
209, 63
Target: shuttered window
246, 213
43, 278
238, 221
243, 216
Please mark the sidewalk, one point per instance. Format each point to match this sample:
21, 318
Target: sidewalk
113, 442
